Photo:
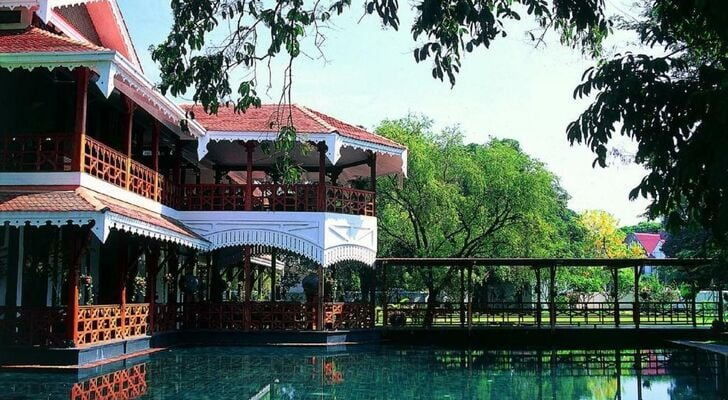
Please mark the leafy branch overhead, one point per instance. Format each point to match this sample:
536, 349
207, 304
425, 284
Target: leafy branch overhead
672, 104
211, 38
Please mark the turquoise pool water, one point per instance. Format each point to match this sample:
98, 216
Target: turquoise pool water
388, 372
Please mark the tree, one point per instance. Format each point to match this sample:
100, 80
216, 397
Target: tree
465, 201
670, 105
643, 227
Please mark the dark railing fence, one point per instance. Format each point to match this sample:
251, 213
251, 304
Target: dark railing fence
546, 309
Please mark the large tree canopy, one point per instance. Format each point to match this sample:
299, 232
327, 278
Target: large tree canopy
469, 200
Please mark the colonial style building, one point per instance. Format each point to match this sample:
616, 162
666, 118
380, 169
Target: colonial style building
121, 213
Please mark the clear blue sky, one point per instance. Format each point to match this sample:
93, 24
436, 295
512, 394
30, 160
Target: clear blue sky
510, 90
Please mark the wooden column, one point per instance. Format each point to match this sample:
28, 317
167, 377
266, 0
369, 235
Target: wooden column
694, 307
615, 294
156, 130
720, 307
173, 263
249, 147
552, 296
177, 167
122, 254
385, 312
152, 267
320, 303
82, 79
537, 270
470, 296
636, 306
78, 242
462, 297
373, 179
127, 121
273, 273
321, 194
73, 291
247, 280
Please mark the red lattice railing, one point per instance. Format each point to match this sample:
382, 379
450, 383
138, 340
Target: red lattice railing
105, 163
36, 152
276, 197
100, 323
280, 197
37, 326
282, 316
349, 201
136, 320
144, 181
212, 197
129, 383
261, 316
348, 316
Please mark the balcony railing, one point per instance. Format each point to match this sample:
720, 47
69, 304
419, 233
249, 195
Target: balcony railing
30, 153
36, 152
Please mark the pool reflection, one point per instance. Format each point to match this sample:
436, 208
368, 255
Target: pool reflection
386, 372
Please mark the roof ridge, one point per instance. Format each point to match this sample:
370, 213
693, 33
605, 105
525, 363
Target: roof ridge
312, 114
52, 35
90, 198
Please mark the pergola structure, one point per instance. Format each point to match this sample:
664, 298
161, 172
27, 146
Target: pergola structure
531, 313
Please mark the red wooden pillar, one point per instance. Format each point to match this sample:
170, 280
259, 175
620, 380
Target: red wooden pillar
73, 291
79, 144
127, 121
321, 197
246, 274
152, 266
173, 262
273, 273
320, 318
77, 242
156, 130
123, 262
373, 180
249, 147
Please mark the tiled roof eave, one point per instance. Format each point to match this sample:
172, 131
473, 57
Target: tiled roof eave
103, 221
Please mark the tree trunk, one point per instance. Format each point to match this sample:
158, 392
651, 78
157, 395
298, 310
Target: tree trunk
431, 304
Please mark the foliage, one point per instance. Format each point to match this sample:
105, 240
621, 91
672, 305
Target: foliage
643, 227
604, 238
211, 38
469, 200
669, 104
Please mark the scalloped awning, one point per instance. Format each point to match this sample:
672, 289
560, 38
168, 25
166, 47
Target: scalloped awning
81, 206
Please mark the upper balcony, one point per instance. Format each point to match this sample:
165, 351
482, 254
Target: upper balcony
54, 153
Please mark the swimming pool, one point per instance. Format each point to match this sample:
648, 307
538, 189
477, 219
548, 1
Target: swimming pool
391, 372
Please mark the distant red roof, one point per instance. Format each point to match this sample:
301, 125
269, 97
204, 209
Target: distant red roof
36, 40
649, 241
48, 199
269, 117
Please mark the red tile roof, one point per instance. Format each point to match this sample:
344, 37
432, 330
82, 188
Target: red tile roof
269, 117
80, 199
54, 201
649, 241
36, 40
